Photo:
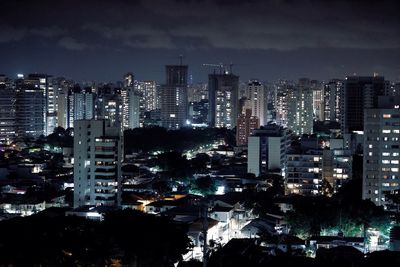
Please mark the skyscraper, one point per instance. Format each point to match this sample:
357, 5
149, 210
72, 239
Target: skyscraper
46, 85
246, 123
281, 91
30, 109
332, 99
255, 94
133, 108
98, 148
7, 110
174, 102
381, 174
223, 99
129, 81
300, 108
83, 104
360, 93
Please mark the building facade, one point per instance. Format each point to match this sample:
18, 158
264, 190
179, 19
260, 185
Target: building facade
98, 148
381, 174
174, 101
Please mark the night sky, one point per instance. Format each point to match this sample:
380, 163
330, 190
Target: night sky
101, 40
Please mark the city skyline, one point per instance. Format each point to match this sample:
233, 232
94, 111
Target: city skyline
100, 40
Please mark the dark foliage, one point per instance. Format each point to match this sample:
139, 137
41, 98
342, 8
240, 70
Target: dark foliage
158, 138
129, 237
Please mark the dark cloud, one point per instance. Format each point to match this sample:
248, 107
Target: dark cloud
202, 26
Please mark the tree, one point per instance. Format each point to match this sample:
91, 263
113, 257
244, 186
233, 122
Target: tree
204, 185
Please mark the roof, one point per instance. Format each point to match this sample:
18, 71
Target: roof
221, 209
197, 225
321, 239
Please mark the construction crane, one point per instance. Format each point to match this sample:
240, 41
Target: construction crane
222, 67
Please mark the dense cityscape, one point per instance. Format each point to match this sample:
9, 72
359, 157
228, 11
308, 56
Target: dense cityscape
217, 170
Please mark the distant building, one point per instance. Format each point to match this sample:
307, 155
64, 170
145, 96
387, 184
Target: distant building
129, 81
381, 173
30, 111
133, 108
46, 84
300, 108
318, 98
223, 100
174, 101
332, 100
256, 97
83, 105
7, 110
246, 123
281, 96
98, 148
267, 149
360, 93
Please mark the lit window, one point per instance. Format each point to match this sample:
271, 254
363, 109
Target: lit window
385, 131
386, 116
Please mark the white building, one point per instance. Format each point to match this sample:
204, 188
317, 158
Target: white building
381, 150
98, 148
267, 150
255, 95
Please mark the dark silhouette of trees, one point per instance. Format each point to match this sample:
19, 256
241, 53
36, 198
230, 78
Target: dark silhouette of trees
127, 237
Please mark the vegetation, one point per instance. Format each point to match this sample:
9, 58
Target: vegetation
159, 139
125, 237
343, 212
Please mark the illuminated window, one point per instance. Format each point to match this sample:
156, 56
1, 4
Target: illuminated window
385, 131
386, 116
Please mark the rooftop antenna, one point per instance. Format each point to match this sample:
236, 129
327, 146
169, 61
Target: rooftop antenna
181, 59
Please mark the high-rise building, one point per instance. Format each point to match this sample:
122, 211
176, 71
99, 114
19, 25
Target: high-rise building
223, 100
174, 102
7, 110
281, 95
300, 108
255, 95
46, 85
134, 108
246, 123
360, 93
30, 111
129, 80
128, 85
83, 104
108, 105
65, 107
332, 101
267, 150
381, 174
149, 95
317, 91
98, 148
